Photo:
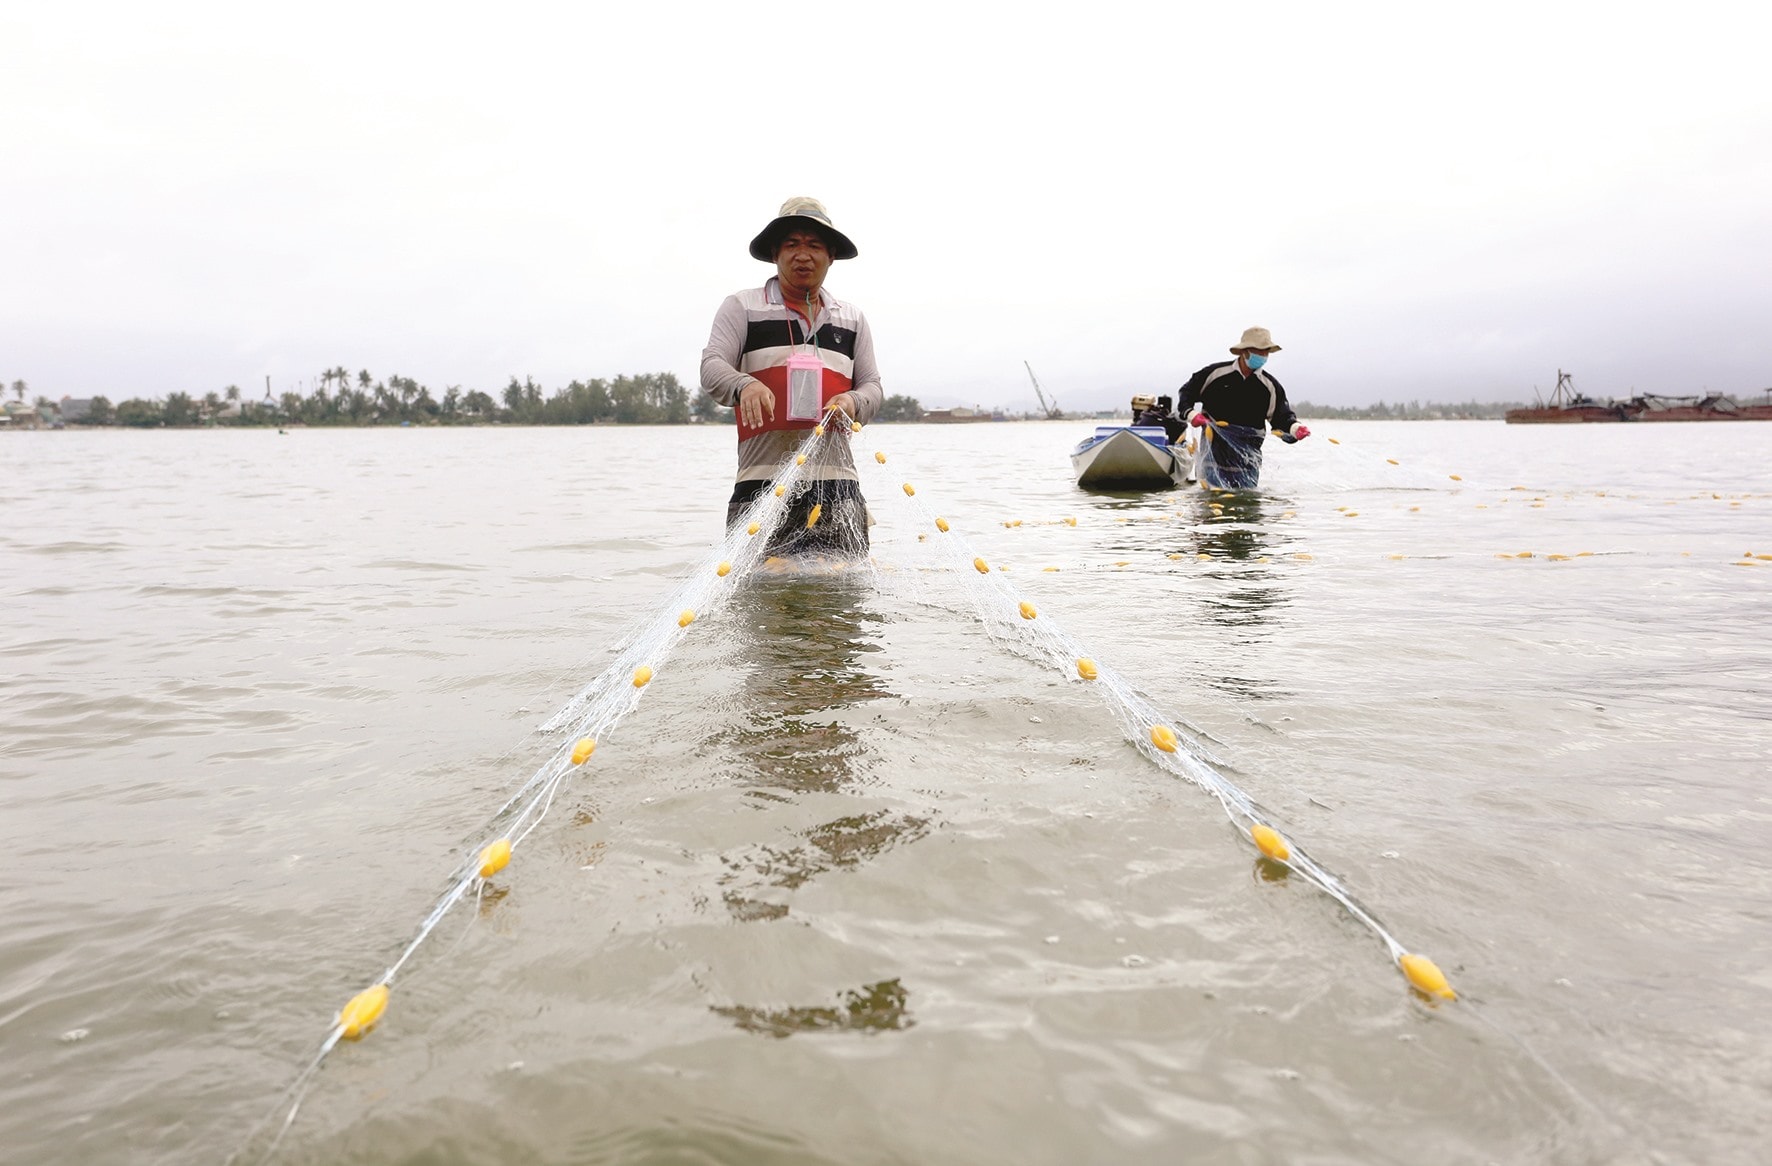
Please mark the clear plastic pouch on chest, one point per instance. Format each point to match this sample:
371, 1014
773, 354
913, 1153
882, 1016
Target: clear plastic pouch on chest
805, 387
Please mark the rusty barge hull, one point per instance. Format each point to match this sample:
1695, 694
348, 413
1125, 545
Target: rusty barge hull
1563, 416
1626, 412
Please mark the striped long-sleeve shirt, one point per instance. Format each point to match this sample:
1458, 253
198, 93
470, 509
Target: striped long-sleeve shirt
755, 332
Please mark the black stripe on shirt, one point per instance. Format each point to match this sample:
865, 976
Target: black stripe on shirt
785, 333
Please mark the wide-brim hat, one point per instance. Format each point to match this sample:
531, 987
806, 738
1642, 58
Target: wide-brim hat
1254, 338
802, 212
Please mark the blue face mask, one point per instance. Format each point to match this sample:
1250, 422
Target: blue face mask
1254, 360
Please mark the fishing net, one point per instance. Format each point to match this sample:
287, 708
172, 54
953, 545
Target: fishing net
820, 511
1229, 457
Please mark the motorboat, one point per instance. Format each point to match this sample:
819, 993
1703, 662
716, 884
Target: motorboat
1130, 457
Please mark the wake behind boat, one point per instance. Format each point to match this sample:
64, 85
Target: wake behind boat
1129, 457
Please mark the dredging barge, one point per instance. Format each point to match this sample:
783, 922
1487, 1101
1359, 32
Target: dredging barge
1567, 406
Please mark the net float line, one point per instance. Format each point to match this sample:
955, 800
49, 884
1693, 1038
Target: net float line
589, 716
1014, 622
1376, 458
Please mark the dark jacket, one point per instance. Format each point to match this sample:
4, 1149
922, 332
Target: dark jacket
1257, 400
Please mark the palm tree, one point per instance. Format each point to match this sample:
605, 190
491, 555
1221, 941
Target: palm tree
180, 409
18, 389
232, 393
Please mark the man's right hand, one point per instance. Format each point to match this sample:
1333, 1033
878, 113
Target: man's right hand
1198, 420
756, 404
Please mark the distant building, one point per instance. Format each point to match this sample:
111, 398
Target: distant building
22, 416
957, 413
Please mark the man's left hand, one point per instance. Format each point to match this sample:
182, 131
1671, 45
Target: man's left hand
844, 402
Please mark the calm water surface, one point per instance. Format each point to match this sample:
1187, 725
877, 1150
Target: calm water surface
854, 884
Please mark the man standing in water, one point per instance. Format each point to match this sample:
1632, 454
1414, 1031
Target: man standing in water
761, 336
1236, 402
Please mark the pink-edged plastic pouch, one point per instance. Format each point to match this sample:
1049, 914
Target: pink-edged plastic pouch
805, 393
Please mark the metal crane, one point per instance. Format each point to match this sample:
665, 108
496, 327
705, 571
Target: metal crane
1047, 405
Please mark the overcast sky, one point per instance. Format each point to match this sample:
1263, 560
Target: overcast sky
1421, 201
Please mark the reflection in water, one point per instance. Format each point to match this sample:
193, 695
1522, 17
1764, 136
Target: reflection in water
1269, 871
1236, 604
805, 634
875, 1008
840, 843
1230, 524
1234, 527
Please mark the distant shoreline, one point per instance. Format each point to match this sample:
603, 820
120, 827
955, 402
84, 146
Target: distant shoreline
292, 426
341, 402
644, 399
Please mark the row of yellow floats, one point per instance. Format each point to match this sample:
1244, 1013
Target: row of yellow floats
1421, 972
362, 1011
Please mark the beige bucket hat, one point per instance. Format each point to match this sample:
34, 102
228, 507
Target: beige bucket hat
1143, 402
801, 211
1253, 339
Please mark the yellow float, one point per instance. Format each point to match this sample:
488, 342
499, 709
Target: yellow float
495, 858
1426, 976
1269, 842
359, 1015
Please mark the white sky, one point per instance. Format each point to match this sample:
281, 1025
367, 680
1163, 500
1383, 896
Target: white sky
1421, 201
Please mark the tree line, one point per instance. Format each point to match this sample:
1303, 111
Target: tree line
340, 399
1410, 411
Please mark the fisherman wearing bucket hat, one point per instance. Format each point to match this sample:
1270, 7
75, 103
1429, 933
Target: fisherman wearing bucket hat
783, 356
1241, 392
801, 214
1235, 403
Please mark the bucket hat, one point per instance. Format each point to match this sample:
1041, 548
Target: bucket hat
1143, 402
802, 212
1253, 338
